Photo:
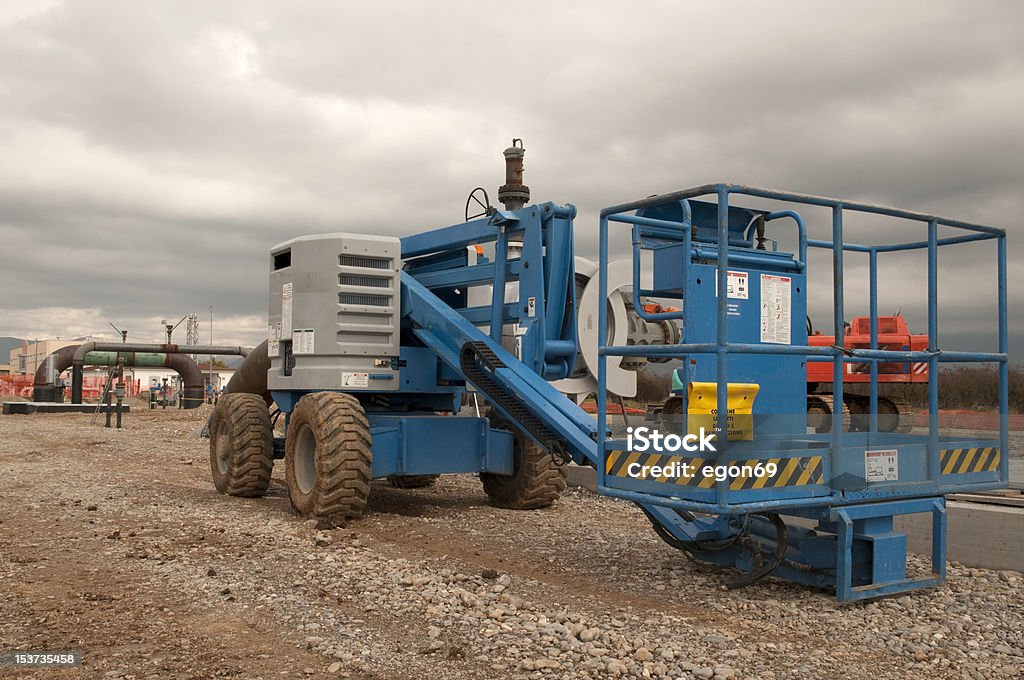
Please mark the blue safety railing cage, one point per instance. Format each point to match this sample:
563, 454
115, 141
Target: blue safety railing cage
720, 500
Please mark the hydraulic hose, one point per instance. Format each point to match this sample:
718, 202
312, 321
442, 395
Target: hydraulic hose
781, 543
688, 548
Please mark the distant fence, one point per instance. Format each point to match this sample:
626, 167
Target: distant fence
968, 420
92, 386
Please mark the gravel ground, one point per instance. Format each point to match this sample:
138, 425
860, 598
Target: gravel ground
116, 544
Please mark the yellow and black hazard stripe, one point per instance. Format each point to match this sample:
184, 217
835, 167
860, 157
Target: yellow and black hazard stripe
960, 461
795, 471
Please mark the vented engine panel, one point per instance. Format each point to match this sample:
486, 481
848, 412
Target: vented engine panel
334, 313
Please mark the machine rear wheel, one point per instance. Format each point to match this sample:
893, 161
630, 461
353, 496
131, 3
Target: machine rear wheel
412, 481
328, 456
536, 481
241, 445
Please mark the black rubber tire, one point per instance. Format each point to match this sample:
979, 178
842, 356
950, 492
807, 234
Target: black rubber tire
536, 481
328, 456
241, 445
412, 481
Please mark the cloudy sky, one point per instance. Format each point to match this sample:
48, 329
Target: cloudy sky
153, 152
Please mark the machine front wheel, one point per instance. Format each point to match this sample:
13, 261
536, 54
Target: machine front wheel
536, 481
328, 456
241, 445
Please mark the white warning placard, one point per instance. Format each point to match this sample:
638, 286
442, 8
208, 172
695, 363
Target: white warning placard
273, 347
355, 379
882, 466
286, 310
303, 341
738, 284
776, 309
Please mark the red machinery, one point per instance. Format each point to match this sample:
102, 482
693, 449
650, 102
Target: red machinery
894, 414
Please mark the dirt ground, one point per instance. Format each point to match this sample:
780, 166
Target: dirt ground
115, 544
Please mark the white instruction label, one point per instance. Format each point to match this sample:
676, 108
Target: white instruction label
738, 284
882, 466
776, 303
273, 347
355, 379
286, 310
303, 341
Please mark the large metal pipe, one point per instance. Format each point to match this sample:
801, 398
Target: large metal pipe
193, 388
166, 348
191, 379
251, 376
43, 388
182, 364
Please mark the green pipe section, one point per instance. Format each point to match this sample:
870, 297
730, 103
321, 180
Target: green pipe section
130, 358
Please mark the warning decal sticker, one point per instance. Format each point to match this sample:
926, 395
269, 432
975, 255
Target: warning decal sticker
286, 310
738, 285
881, 466
776, 304
355, 379
303, 341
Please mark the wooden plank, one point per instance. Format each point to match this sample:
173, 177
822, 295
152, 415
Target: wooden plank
989, 499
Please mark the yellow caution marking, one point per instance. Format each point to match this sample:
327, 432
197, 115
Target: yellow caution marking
962, 461
965, 465
761, 481
674, 460
705, 482
682, 471
949, 459
609, 463
788, 471
805, 476
994, 465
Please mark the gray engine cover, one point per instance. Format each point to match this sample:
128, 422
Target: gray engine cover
334, 313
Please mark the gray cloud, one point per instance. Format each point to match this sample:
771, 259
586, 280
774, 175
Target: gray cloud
154, 152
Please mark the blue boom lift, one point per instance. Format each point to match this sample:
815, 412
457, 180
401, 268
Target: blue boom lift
374, 342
